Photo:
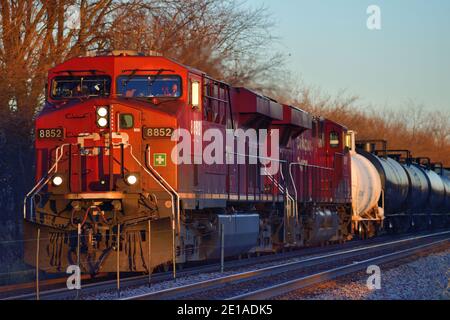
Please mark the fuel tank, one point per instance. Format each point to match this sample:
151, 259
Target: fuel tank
241, 232
323, 226
366, 185
419, 189
394, 182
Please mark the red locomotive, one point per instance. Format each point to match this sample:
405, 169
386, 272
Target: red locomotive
106, 164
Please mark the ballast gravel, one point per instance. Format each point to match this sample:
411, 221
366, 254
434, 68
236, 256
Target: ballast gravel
424, 279
181, 281
427, 278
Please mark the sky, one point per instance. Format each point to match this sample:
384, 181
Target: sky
331, 48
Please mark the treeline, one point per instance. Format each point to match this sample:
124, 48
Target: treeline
423, 131
224, 38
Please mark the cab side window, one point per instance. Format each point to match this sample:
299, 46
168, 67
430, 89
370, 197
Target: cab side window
126, 121
334, 139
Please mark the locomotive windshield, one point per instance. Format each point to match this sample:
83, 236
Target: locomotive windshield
149, 86
80, 86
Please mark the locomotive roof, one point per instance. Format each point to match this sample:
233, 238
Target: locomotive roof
114, 62
124, 60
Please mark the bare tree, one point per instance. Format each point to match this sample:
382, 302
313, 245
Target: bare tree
424, 132
224, 38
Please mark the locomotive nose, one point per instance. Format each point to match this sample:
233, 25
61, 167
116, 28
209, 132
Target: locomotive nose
98, 150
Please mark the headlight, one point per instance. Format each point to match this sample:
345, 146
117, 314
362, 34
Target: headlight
102, 122
102, 112
57, 181
131, 179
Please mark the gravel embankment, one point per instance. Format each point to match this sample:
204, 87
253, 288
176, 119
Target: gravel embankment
427, 278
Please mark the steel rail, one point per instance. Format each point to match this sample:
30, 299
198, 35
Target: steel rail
211, 267
160, 277
304, 282
191, 289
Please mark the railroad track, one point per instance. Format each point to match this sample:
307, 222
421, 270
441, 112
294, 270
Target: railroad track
269, 282
316, 256
49, 289
314, 279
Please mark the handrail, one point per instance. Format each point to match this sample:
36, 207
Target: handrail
171, 191
303, 165
289, 198
169, 187
272, 179
44, 180
155, 175
439, 165
59, 154
161, 181
280, 187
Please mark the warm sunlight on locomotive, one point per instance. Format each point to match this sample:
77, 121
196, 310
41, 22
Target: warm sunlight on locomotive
106, 137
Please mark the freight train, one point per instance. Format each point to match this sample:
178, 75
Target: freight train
112, 192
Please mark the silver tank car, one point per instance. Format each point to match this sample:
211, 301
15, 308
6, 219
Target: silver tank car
366, 186
446, 205
394, 182
413, 192
437, 191
366, 194
419, 189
